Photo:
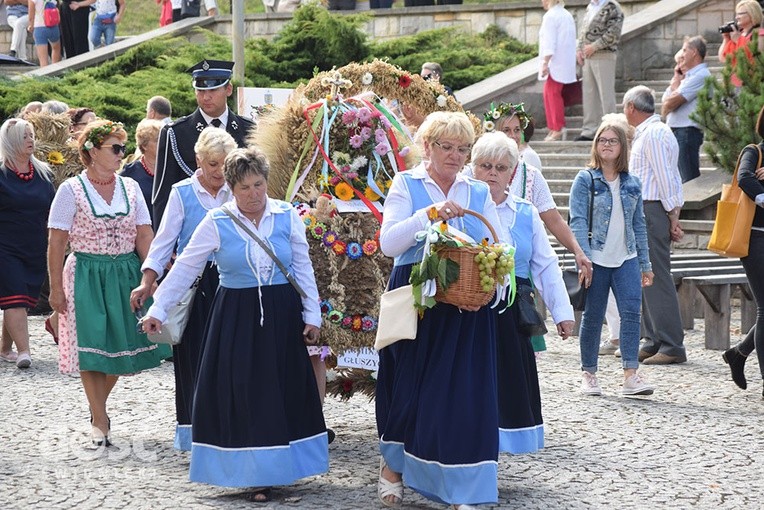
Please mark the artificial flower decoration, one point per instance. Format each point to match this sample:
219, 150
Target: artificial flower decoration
432, 213
367, 78
489, 126
88, 145
309, 220
354, 251
404, 81
370, 247
318, 230
442, 101
343, 191
339, 248
56, 158
510, 110
334, 316
330, 237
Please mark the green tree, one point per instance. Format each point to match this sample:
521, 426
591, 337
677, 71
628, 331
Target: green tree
728, 115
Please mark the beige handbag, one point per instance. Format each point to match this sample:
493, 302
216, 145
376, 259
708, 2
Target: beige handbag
397, 317
177, 318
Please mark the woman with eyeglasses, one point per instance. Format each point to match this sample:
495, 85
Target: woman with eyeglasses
436, 395
527, 182
26, 193
618, 250
188, 203
105, 220
521, 427
748, 15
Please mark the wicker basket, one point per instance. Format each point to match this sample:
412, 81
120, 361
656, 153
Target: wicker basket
466, 290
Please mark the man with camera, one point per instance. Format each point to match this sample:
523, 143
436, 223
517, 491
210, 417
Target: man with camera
680, 100
737, 34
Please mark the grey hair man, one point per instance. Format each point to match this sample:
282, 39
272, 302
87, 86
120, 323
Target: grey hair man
653, 159
680, 100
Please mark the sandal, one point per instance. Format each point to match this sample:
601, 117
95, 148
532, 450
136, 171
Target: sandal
49, 329
262, 495
9, 356
386, 488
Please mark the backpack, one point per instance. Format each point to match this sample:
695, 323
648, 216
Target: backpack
50, 15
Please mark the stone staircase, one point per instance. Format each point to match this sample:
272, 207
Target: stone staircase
563, 160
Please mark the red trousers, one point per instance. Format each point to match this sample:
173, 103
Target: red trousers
554, 106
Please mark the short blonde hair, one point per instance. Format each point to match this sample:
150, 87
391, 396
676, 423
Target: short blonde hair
214, 141
753, 9
146, 131
439, 125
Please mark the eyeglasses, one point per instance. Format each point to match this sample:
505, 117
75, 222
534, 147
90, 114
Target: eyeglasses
116, 148
608, 141
447, 147
489, 166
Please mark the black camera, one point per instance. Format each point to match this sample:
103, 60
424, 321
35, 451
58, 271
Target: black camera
728, 27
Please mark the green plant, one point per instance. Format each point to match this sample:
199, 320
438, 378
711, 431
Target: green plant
728, 116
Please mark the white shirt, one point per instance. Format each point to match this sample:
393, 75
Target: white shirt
539, 193
531, 157
223, 118
401, 222
614, 252
654, 160
545, 270
163, 245
206, 240
557, 37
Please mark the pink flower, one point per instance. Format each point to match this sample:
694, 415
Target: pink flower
381, 149
365, 133
402, 153
348, 117
385, 123
334, 180
351, 175
356, 141
364, 114
380, 136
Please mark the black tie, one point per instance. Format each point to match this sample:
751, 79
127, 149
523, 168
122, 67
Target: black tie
216, 123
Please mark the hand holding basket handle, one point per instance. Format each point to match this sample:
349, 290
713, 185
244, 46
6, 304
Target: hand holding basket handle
449, 209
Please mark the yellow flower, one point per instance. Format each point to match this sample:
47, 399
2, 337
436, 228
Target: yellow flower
56, 158
432, 214
370, 194
343, 191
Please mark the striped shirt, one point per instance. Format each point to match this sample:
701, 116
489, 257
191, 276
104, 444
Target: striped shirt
654, 157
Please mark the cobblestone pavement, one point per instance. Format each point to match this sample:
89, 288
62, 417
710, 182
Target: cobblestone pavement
696, 443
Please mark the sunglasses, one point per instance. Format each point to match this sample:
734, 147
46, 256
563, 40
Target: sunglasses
116, 148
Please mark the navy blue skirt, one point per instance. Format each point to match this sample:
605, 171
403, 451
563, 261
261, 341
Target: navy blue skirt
187, 354
521, 427
257, 418
436, 404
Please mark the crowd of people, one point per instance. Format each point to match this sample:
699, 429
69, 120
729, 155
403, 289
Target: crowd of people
121, 243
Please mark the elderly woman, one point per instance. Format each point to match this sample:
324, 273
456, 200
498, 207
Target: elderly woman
521, 428
436, 396
618, 249
188, 203
142, 169
748, 15
26, 193
270, 430
526, 182
557, 51
106, 222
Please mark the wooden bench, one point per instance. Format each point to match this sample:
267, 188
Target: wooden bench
690, 304
716, 291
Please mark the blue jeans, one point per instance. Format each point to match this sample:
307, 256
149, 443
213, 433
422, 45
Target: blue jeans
106, 30
626, 282
689, 139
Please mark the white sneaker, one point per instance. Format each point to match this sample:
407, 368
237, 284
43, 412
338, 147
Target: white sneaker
608, 347
589, 384
635, 385
617, 353
24, 360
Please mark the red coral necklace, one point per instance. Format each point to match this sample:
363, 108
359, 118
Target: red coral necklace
145, 167
26, 177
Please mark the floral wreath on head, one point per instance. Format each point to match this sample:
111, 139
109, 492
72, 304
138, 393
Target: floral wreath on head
98, 134
510, 110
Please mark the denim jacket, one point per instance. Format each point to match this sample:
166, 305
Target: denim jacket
633, 212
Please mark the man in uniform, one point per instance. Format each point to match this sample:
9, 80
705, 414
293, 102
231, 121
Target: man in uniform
176, 159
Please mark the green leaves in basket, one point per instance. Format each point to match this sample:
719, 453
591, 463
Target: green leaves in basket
443, 270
